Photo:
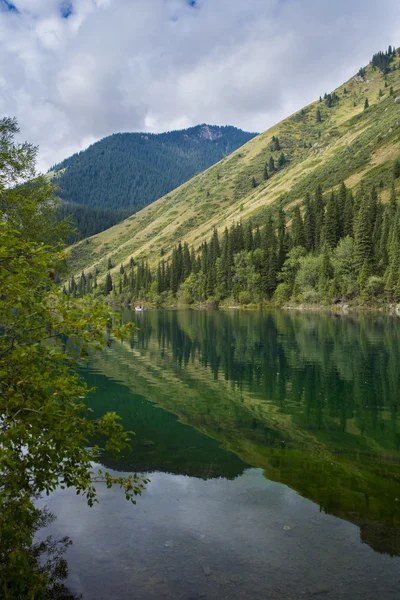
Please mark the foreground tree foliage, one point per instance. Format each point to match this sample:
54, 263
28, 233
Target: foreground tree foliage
46, 435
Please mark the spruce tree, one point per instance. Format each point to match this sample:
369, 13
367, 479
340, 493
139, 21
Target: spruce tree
253, 182
366, 104
309, 224
363, 251
186, 262
319, 118
269, 267
108, 285
248, 238
282, 240
318, 206
281, 160
326, 272
266, 176
271, 164
348, 215
330, 233
297, 232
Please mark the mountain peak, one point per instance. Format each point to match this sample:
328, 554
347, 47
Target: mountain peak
208, 132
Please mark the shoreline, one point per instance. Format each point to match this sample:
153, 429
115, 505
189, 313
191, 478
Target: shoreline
390, 309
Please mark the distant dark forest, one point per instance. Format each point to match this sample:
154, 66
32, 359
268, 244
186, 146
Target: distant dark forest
131, 170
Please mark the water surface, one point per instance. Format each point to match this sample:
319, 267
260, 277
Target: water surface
272, 441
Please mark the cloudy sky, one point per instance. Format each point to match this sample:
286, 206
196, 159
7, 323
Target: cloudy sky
73, 71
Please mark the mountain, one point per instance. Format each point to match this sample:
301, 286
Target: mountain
131, 170
351, 134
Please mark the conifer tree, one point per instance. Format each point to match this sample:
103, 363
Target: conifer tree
257, 239
253, 182
282, 240
248, 237
297, 233
186, 262
309, 224
366, 104
348, 215
271, 164
363, 251
108, 285
281, 160
319, 118
326, 271
269, 267
318, 206
266, 176
331, 225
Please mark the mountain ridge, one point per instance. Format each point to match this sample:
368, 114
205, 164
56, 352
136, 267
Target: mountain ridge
132, 169
331, 140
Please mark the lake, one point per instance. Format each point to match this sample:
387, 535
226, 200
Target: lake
272, 442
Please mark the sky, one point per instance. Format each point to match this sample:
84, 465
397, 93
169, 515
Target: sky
74, 71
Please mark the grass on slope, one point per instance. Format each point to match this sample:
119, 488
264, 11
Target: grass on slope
350, 144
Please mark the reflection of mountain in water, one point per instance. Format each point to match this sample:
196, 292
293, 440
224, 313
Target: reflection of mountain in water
311, 399
161, 442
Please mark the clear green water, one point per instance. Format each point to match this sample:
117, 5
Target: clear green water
272, 441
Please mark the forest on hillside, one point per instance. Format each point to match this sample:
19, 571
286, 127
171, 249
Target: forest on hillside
329, 248
131, 170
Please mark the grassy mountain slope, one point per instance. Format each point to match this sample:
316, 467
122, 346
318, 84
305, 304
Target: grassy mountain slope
131, 170
350, 144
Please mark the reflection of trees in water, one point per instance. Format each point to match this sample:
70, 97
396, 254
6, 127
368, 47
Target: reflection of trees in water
312, 399
324, 370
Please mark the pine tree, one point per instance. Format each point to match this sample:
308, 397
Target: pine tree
309, 224
331, 228
253, 182
366, 104
318, 206
186, 262
269, 268
266, 176
282, 240
108, 285
363, 251
281, 160
297, 232
348, 215
271, 164
326, 272
248, 237
319, 118
257, 239
396, 169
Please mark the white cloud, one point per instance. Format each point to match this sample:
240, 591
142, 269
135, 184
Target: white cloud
126, 65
